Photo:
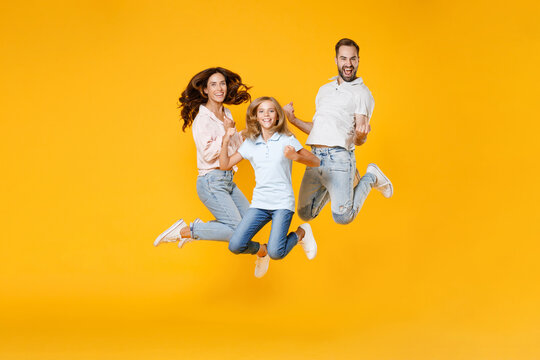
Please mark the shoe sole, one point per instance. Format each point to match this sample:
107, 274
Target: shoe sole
183, 242
166, 232
376, 168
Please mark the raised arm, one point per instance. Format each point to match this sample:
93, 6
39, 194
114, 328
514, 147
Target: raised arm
302, 156
302, 125
226, 162
362, 129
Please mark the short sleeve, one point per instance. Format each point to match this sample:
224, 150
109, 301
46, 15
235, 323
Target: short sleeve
244, 149
317, 98
361, 106
364, 104
293, 141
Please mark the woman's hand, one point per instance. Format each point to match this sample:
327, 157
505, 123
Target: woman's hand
228, 134
228, 123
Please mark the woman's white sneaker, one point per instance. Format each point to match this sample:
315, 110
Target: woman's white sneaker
261, 265
308, 242
172, 234
382, 183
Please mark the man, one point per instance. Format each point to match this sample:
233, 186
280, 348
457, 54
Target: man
341, 122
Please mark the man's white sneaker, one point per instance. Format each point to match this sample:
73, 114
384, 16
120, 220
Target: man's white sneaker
308, 242
184, 241
261, 265
172, 234
382, 183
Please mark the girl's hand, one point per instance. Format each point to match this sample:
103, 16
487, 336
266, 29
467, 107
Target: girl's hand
290, 153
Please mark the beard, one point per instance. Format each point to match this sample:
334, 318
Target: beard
347, 78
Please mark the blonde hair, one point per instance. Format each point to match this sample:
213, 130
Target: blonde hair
253, 128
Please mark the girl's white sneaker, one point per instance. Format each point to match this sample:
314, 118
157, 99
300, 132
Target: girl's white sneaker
308, 242
261, 265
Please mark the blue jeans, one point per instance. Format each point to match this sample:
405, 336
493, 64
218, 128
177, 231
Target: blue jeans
279, 243
225, 201
333, 181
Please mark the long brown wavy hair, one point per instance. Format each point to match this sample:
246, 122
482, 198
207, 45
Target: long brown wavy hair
253, 128
193, 96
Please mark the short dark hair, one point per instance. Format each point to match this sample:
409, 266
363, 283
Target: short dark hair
347, 42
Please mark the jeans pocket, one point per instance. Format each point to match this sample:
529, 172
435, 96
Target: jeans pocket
341, 166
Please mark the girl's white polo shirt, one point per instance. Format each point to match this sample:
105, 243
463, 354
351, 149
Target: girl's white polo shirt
273, 189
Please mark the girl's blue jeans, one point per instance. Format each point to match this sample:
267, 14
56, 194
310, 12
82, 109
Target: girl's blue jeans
279, 243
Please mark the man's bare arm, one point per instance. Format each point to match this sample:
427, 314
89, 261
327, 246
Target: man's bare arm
362, 129
302, 125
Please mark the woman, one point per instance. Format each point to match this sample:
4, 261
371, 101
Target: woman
202, 109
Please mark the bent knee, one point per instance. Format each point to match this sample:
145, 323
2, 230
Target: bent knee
276, 254
305, 213
235, 247
343, 219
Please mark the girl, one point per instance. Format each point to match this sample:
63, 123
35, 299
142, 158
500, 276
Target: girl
202, 108
270, 147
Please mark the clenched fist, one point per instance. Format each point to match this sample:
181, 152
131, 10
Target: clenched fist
361, 129
228, 122
289, 152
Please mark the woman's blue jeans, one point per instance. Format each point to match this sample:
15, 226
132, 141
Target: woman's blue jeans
225, 201
279, 243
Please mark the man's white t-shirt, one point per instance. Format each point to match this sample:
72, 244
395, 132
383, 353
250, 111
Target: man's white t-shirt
333, 122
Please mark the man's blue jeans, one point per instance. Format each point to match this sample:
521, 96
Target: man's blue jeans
333, 181
279, 243
225, 201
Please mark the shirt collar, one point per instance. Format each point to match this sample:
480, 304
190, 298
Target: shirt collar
274, 137
204, 110
356, 81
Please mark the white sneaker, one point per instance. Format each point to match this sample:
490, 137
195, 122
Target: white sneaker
261, 265
172, 234
382, 183
184, 241
308, 242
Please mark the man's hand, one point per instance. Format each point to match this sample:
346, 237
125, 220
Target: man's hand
302, 125
290, 153
362, 129
289, 111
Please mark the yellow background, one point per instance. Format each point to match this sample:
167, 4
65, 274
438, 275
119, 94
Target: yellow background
94, 167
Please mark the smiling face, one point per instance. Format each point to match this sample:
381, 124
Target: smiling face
347, 62
216, 88
267, 115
